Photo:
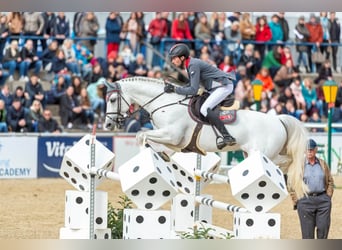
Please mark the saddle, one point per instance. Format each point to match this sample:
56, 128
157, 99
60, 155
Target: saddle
226, 111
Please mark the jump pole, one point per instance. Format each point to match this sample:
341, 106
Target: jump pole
92, 184
219, 205
106, 173
215, 177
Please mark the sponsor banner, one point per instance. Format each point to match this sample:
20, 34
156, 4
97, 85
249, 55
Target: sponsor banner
18, 157
51, 152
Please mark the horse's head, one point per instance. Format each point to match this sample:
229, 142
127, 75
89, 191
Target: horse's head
117, 105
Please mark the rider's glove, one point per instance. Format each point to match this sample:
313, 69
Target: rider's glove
169, 88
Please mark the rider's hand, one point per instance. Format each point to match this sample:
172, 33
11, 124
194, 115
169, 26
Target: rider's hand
169, 88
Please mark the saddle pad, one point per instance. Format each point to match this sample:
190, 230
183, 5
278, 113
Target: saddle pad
227, 116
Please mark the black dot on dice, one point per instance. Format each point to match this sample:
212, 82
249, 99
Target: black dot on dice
187, 190
262, 183
79, 200
184, 203
148, 205
161, 219
169, 169
190, 179
77, 170
175, 166
106, 236
281, 185
73, 181
153, 180
84, 176
249, 222
268, 173
244, 173
276, 196
69, 163
99, 220
86, 211
279, 172
150, 192
135, 192
258, 208
87, 142
260, 196
265, 159
182, 172
271, 222
135, 169
158, 169
95, 236
179, 184
66, 174
139, 219
166, 193
156, 156
172, 183
244, 196
81, 187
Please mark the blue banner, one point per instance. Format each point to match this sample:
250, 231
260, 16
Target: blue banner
51, 151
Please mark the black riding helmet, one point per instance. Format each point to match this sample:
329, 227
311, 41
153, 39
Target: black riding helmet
178, 50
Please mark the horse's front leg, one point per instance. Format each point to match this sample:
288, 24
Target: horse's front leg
164, 136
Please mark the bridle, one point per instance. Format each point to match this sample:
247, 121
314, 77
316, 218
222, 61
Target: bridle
120, 118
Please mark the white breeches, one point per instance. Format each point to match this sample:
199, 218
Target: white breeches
216, 97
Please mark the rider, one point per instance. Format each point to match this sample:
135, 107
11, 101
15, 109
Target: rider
218, 83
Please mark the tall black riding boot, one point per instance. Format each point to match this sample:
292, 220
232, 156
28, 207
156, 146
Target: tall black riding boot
226, 138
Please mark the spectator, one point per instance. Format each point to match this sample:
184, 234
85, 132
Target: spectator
133, 32
76, 24
3, 76
132, 124
286, 55
70, 57
285, 76
324, 73
35, 90
202, 33
57, 90
287, 95
88, 29
296, 88
33, 26
235, 17
76, 82
140, 19
3, 114
310, 96
138, 67
12, 59
96, 98
337, 117
302, 35
315, 118
15, 23
315, 208
334, 34
47, 124
5, 95
49, 28
34, 115
71, 112
22, 96
61, 28
290, 109
86, 106
233, 37
228, 64
192, 20
114, 25
17, 119
48, 55
145, 119
267, 81
247, 59
60, 67
316, 37
244, 92
272, 60
29, 59
180, 28
83, 56
4, 33
324, 21
276, 110
284, 26
263, 34
276, 30
247, 28
158, 30
127, 55
339, 95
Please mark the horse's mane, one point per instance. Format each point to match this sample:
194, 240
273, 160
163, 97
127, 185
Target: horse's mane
141, 78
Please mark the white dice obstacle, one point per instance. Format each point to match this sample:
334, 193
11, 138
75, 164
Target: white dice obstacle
150, 183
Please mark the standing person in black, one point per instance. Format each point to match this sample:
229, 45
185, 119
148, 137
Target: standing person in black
314, 209
334, 32
284, 25
48, 30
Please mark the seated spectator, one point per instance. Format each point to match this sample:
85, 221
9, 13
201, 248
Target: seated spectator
70, 57
17, 119
12, 59
266, 79
22, 96
48, 55
303, 117
324, 72
276, 110
310, 96
286, 55
272, 60
285, 76
86, 106
127, 55
296, 88
77, 83
145, 119
287, 95
289, 109
5, 95
247, 59
47, 124
29, 60
84, 57
57, 90
132, 124
228, 64
34, 115
3, 114
138, 67
315, 118
264, 102
60, 67
35, 91
95, 74
3, 76
337, 117
71, 112
95, 93
244, 92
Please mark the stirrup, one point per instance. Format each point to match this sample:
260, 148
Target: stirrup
222, 142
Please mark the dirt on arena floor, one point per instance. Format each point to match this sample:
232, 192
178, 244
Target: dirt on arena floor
34, 209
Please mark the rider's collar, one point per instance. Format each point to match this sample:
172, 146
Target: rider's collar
186, 62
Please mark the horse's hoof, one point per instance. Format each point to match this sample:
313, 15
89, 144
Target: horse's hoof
147, 145
164, 156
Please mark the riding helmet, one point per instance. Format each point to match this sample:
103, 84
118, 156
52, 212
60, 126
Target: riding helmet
178, 50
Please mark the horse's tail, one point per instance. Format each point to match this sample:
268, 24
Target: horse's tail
297, 137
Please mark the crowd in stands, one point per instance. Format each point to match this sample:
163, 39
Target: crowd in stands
254, 49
